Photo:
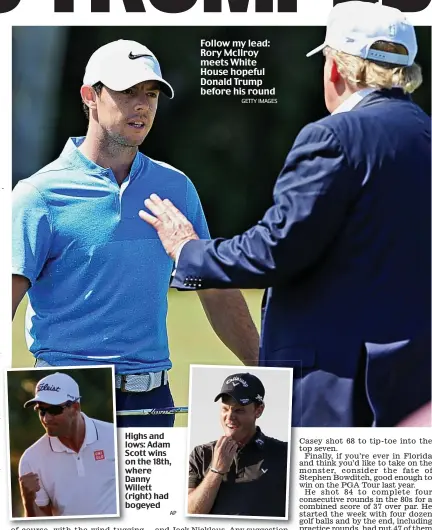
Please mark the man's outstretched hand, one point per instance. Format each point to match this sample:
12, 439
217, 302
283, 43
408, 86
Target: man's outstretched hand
172, 227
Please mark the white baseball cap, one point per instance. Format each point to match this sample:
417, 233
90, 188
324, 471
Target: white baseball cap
122, 64
353, 27
55, 389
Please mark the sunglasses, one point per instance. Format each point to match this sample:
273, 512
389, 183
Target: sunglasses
53, 410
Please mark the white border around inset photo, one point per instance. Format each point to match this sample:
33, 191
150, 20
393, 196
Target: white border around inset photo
63, 369
204, 422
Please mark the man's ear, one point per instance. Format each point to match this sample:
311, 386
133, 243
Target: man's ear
76, 406
259, 410
334, 72
88, 95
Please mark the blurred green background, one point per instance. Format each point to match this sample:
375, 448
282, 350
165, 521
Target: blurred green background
96, 392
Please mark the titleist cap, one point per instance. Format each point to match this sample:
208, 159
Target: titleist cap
55, 389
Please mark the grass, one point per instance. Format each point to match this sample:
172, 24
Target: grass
191, 339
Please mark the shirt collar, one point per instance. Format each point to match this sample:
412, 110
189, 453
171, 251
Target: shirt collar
256, 442
353, 100
91, 435
259, 439
75, 157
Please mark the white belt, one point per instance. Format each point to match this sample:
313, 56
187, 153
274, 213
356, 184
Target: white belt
141, 382
132, 382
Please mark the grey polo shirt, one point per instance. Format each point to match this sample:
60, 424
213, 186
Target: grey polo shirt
256, 482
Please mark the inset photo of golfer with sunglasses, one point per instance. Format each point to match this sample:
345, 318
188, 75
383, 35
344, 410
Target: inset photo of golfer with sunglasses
62, 443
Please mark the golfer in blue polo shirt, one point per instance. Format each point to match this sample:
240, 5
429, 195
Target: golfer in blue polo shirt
96, 275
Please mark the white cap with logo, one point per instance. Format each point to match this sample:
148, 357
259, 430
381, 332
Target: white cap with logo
122, 64
353, 27
55, 389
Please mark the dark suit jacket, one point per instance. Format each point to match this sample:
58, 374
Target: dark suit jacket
344, 253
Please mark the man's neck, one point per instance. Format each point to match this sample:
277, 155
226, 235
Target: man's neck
353, 98
76, 438
244, 441
344, 93
105, 153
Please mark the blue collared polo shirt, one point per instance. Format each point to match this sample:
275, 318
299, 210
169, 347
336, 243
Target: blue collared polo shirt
99, 274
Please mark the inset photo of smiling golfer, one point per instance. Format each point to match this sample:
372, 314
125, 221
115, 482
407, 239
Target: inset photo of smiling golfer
63, 450
239, 441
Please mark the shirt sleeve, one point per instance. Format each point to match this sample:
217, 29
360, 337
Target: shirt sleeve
195, 468
31, 231
42, 498
195, 212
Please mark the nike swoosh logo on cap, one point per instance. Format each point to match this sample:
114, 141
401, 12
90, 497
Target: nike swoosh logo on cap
132, 56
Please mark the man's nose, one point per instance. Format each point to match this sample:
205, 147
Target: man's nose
230, 414
142, 102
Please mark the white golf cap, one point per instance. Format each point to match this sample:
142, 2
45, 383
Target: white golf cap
122, 64
55, 389
353, 27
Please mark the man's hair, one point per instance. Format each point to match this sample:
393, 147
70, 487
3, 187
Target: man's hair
363, 73
98, 89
